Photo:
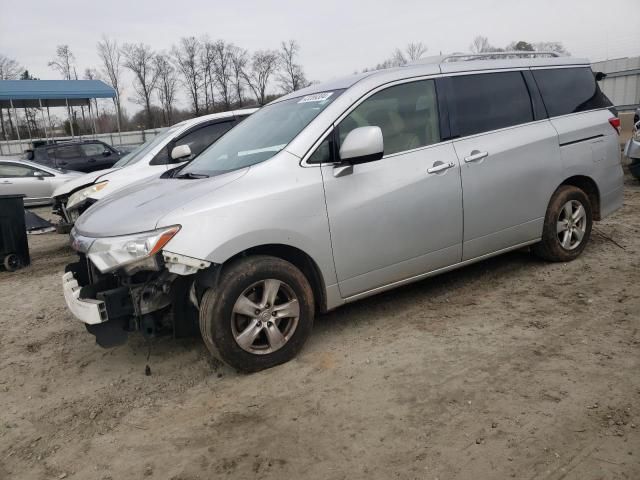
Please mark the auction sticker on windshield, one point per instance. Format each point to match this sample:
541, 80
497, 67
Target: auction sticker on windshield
316, 97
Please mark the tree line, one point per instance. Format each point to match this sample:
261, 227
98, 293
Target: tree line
213, 75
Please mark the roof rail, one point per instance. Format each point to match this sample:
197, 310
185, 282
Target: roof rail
463, 57
457, 57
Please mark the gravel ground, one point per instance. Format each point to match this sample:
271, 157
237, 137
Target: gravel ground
508, 368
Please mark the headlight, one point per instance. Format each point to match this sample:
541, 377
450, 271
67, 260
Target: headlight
110, 253
636, 135
81, 195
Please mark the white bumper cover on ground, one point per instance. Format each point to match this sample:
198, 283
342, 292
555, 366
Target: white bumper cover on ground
87, 310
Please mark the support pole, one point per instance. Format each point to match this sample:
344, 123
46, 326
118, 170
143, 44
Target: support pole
26, 115
44, 124
93, 119
66, 100
118, 117
15, 114
49, 119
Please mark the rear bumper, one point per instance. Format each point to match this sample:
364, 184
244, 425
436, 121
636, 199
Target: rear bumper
89, 311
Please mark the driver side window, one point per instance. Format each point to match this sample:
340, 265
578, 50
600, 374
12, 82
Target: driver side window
407, 114
197, 140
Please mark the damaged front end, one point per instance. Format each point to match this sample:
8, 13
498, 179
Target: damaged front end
127, 284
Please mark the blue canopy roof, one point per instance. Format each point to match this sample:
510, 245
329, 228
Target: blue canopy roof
52, 93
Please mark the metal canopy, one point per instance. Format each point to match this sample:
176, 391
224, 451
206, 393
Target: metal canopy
51, 93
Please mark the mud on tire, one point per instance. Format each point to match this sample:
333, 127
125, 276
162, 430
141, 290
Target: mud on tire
567, 228
249, 327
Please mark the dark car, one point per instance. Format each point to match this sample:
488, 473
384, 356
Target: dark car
81, 156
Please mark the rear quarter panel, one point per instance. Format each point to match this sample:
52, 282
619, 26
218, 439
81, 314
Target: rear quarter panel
589, 146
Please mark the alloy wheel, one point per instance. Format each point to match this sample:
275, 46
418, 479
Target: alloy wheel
265, 316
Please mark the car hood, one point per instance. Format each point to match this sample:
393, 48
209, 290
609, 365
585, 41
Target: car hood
83, 180
139, 207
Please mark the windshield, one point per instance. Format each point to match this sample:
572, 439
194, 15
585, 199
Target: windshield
140, 152
260, 136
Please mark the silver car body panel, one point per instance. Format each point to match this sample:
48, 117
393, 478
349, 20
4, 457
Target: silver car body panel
380, 226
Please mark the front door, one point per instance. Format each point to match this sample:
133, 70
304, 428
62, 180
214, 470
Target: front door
400, 216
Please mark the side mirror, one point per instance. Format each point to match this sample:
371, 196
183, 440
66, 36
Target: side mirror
39, 175
181, 151
29, 155
106, 153
363, 144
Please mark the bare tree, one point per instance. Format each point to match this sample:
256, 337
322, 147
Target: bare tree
556, 47
139, 58
167, 82
263, 65
91, 74
223, 70
207, 66
187, 55
292, 76
411, 52
9, 70
481, 44
64, 62
239, 60
111, 62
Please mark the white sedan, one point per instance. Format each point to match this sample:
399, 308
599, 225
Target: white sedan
36, 182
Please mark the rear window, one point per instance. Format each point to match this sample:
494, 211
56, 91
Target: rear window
569, 90
490, 101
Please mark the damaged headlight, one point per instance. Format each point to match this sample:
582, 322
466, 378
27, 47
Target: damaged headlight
110, 253
81, 195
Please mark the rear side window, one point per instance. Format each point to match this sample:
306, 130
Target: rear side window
490, 101
68, 152
569, 90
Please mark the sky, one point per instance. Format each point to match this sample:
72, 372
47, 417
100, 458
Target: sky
337, 37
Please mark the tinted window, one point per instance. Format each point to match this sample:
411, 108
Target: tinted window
69, 152
490, 101
93, 149
569, 90
407, 114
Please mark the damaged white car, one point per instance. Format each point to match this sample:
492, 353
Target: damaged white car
170, 149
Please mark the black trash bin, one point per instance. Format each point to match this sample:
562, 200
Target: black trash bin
14, 248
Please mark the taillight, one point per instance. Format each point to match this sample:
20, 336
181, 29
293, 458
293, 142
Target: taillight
615, 123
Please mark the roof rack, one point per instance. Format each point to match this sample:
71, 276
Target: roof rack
464, 57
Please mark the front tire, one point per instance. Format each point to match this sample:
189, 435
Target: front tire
567, 225
259, 315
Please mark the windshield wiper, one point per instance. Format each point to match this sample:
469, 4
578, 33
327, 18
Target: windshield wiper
192, 176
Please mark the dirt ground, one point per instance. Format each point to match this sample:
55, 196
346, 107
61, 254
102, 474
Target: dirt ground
510, 368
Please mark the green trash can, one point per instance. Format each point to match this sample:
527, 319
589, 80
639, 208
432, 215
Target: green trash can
14, 247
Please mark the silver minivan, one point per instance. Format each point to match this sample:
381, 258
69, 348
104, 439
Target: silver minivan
346, 189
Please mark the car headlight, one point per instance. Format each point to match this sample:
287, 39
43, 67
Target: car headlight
81, 195
636, 134
111, 253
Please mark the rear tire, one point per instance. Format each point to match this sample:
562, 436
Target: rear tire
259, 315
567, 225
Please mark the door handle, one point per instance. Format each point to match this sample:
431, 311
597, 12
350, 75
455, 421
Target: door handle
475, 156
6, 182
440, 167
92, 160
